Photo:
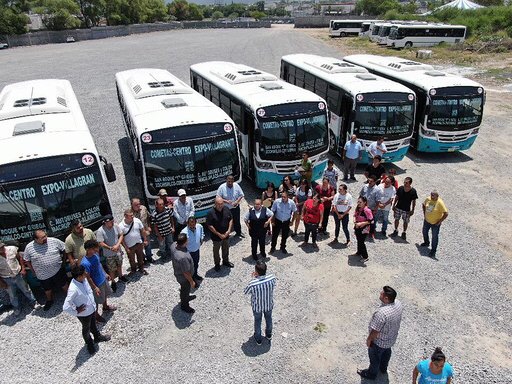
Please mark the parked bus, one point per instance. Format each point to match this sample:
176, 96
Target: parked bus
178, 139
425, 35
277, 121
50, 168
449, 108
375, 30
359, 103
342, 28
366, 27
382, 37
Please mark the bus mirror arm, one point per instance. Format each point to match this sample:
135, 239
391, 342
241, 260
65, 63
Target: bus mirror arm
110, 173
352, 116
257, 134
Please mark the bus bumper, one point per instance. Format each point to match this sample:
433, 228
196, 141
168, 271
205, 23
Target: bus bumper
389, 157
263, 177
432, 145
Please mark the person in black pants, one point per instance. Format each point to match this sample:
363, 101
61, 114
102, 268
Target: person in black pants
183, 266
258, 221
283, 209
363, 217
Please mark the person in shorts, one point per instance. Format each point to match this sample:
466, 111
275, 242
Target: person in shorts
44, 257
110, 238
97, 277
403, 206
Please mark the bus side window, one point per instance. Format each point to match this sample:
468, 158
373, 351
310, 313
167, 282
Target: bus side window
215, 94
206, 89
333, 98
284, 70
199, 85
299, 78
236, 113
309, 82
291, 74
225, 103
247, 122
321, 88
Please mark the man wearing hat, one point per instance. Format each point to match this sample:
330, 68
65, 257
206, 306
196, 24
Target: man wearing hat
165, 197
110, 239
183, 209
435, 213
12, 270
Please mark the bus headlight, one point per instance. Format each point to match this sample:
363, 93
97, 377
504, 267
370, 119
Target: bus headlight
322, 157
406, 142
263, 165
475, 131
427, 132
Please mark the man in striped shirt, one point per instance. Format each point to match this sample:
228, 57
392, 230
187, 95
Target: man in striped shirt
261, 289
164, 227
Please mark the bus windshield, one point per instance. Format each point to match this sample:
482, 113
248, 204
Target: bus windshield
288, 130
197, 158
455, 113
49, 193
374, 118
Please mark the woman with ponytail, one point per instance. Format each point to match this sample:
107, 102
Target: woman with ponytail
433, 370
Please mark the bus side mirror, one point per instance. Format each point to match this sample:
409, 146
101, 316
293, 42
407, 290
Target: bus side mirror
352, 116
110, 172
427, 109
257, 134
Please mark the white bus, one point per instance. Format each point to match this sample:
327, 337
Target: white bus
359, 103
277, 121
178, 139
382, 37
342, 28
375, 30
425, 35
366, 27
449, 108
51, 172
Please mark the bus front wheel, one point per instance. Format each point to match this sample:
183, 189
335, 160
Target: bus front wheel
343, 34
408, 45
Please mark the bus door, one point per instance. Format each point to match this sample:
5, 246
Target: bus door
347, 112
248, 144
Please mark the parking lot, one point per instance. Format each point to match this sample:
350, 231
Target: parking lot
462, 301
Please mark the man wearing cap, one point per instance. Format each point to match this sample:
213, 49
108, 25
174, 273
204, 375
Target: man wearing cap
75, 241
164, 227
12, 270
110, 238
183, 209
232, 195
141, 212
435, 213
44, 257
169, 202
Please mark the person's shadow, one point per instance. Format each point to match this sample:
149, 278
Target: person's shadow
251, 349
425, 251
181, 319
355, 261
82, 356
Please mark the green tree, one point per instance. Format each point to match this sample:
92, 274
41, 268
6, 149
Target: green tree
92, 11
59, 14
260, 6
490, 3
179, 9
153, 10
258, 15
217, 15
195, 12
12, 22
376, 7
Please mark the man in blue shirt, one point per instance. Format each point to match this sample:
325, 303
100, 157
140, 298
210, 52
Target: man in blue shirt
283, 209
261, 289
352, 153
97, 278
195, 236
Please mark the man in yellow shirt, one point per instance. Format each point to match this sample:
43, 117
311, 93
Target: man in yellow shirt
435, 213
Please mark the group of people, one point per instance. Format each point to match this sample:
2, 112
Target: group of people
95, 259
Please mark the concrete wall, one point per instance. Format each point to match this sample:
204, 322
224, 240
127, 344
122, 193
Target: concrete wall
321, 21
53, 37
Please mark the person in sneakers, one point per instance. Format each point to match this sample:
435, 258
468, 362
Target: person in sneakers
261, 289
195, 235
387, 195
141, 212
363, 218
434, 212
110, 238
183, 266
97, 277
80, 303
404, 205
12, 271
75, 241
372, 194
312, 214
134, 241
220, 222
44, 257
162, 218
341, 206
258, 220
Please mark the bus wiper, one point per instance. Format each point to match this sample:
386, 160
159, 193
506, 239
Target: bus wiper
18, 206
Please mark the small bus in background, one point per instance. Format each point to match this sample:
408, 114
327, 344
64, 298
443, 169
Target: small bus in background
449, 108
359, 103
342, 28
425, 35
366, 27
51, 172
277, 121
177, 138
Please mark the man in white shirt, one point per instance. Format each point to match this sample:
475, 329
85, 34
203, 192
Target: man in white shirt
232, 195
80, 303
183, 209
377, 148
134, 240
387, 194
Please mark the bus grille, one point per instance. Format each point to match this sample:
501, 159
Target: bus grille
452, 137
391, 147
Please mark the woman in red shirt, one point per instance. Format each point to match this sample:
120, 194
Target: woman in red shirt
312, 214
363, 217
326, 192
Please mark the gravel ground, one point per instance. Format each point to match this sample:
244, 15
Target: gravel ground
461, 301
